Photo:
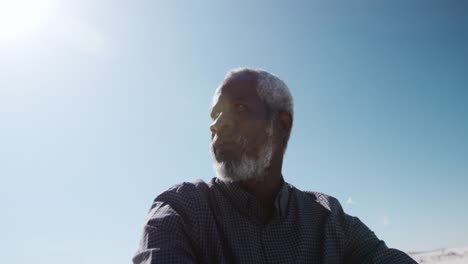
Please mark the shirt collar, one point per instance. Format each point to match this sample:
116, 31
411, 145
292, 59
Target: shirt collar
246, 202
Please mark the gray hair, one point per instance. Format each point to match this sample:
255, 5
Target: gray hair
271, 89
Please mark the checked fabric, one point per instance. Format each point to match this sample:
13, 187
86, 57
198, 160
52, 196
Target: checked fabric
218, 222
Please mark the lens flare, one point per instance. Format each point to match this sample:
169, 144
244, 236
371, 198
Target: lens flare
18, 18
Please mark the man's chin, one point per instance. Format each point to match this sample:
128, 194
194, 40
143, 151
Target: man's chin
234, 168
232, 171
224, 171
225, 157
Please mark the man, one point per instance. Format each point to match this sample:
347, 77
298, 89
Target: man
248, 214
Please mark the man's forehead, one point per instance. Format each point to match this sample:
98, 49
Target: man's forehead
243, 76
238, 86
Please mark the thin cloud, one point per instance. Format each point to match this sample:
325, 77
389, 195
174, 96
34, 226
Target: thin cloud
350, 201
386, 220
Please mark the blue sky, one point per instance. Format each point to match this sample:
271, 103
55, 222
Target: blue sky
105, 104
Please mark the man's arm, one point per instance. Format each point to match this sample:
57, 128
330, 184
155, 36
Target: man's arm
168, 230
362, 246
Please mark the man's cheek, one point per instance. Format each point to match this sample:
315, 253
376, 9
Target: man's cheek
252, 148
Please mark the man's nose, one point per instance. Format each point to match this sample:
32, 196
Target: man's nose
221, 124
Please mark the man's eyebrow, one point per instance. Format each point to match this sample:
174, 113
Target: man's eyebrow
240, 98
213, 110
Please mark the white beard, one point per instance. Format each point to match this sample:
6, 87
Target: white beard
247, 167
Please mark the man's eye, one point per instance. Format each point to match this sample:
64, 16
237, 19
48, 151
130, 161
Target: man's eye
241, 107
214, 115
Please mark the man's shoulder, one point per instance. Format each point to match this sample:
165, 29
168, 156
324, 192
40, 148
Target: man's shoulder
187, 186
186, 191
320, 199
185, 199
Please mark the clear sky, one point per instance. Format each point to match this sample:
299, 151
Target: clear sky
105, 104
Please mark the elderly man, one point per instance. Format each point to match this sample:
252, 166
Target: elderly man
248, 213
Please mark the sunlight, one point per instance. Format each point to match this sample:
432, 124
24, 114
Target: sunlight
21, 17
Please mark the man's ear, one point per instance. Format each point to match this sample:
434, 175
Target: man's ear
284, 123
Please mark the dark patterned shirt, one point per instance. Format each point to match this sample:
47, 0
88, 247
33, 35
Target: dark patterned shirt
218, 222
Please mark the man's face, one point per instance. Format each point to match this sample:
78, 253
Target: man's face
241, 132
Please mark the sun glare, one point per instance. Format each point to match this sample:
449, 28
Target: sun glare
19, 18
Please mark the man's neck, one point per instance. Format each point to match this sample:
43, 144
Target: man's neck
265, 190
